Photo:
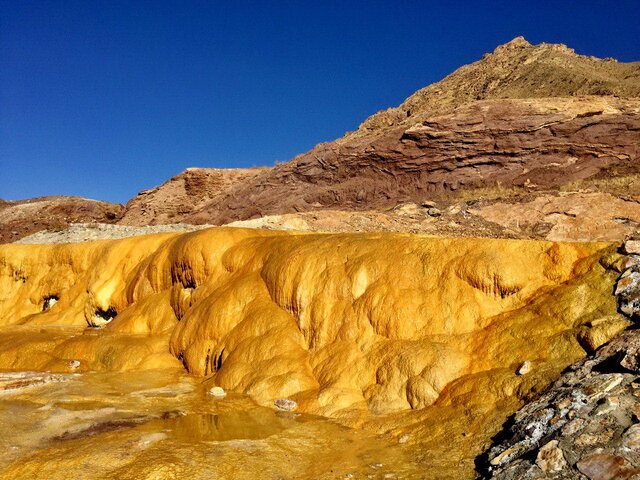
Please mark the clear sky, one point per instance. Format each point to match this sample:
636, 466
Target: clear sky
106, 98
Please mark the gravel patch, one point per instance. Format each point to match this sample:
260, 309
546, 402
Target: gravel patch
89, 232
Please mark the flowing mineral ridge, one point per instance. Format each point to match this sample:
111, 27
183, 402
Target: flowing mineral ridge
332, 341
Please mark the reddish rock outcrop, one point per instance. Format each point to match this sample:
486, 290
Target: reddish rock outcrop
24, 217
534, 143
538, 116
183, 194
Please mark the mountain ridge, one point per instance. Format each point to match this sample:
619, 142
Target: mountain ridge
530, 117
519, 72
486, 77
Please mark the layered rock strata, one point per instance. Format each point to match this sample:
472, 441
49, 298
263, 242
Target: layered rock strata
533, 144
529, 117
536, 116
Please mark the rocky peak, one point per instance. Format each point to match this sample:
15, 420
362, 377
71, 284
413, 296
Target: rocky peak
518, 42
516, 69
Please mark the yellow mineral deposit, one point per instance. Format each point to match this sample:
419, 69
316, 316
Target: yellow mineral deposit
400, 351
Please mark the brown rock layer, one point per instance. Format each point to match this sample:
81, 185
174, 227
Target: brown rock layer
534, 117
24, 217
182, 194
534, 143
515, 70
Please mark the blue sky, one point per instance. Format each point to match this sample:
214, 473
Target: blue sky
106, 98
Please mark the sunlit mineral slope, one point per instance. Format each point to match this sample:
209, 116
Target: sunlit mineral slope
414, 336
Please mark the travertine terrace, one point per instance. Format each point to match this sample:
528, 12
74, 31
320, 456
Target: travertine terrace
346, 321
380, 341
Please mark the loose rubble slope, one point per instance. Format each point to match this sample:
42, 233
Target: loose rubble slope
587, 215
89, 232
587, 423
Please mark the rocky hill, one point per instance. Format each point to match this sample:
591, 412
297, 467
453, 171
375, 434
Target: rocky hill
515, 70
533, 116
531, 141
24, 217
531, 144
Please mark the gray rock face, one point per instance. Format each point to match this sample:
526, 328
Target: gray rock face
628, 292
628, 286
584, 413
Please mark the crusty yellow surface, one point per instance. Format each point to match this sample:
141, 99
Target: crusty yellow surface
393, 333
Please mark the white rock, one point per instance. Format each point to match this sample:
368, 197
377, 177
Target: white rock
150, 438
217, 392
550, 458
631, 247
524, 368
49, 302
100, 320
285, 404
73, 364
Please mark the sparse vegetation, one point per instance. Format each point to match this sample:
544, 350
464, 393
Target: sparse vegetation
488, 193
621, 186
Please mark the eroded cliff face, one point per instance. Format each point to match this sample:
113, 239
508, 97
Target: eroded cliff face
539, 143
534, 116
182, 194
414, 336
